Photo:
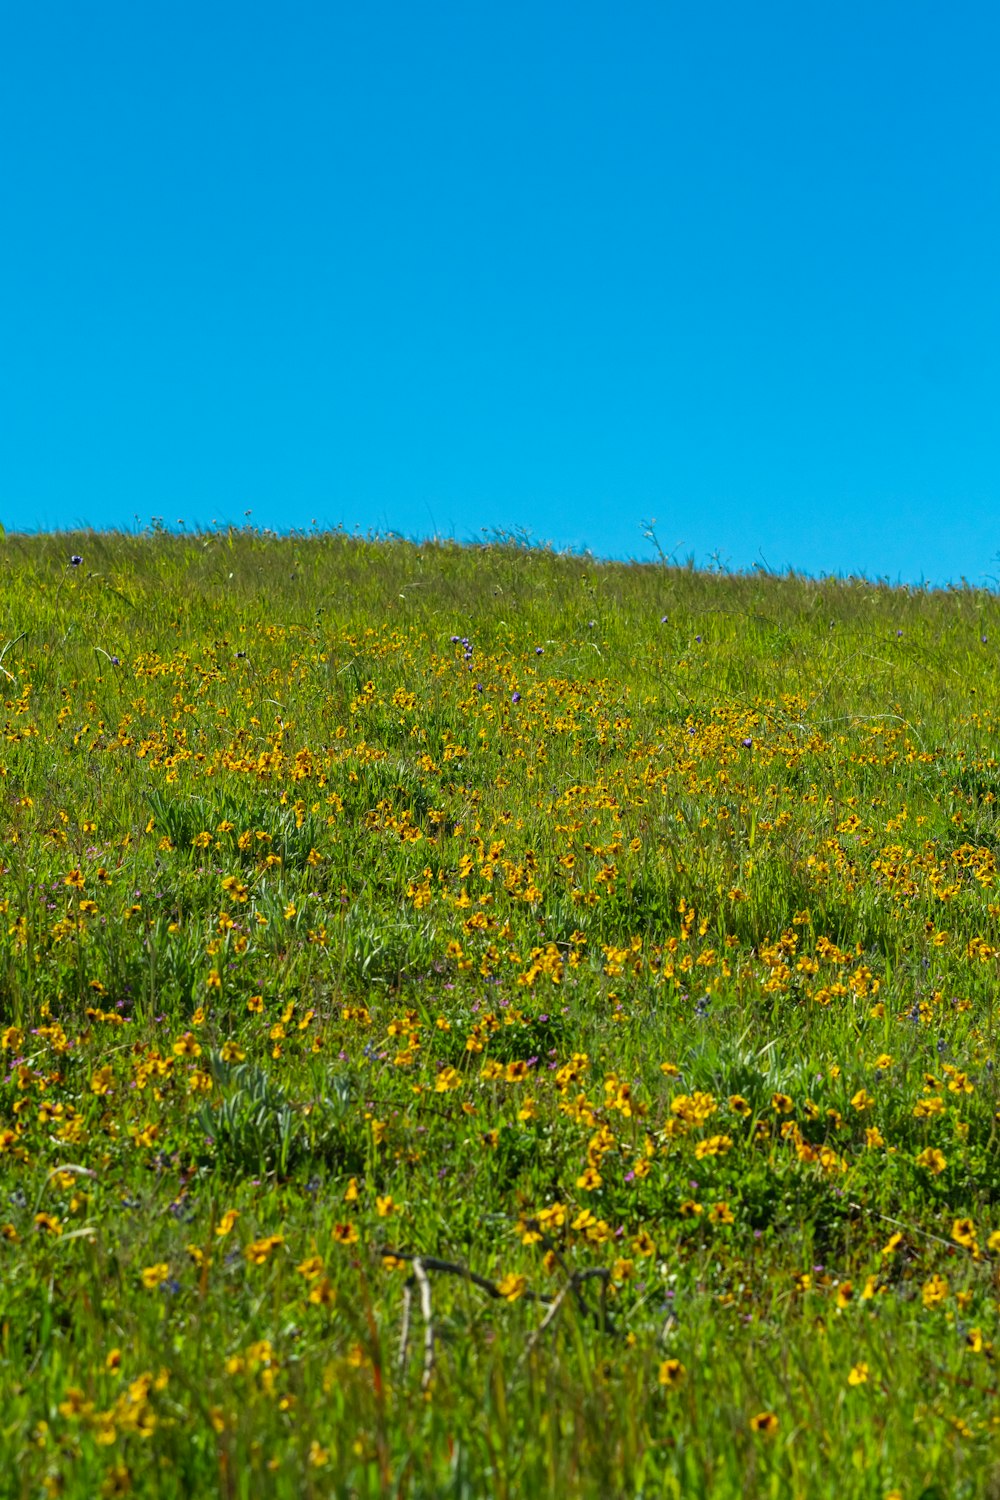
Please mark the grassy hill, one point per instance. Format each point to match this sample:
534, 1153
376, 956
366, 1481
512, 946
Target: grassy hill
481, 1022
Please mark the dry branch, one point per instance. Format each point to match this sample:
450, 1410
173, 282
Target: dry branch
404, 1330
453, 1268
422, 1264
425, 1308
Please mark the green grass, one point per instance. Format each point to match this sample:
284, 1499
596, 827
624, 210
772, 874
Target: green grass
607, 1004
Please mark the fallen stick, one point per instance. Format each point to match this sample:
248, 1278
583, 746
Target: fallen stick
452, 1268
572, 1285
423, 1263
404, 1331
425, 1308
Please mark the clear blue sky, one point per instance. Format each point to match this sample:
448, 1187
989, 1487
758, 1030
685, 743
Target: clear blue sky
555, 266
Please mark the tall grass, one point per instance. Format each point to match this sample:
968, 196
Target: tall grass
477, 1022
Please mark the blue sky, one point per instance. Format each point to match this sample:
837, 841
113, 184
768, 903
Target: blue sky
557, 267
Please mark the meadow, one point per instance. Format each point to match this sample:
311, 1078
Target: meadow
479, 1022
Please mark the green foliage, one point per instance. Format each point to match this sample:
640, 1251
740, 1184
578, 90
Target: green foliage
252, 1127
619, 943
